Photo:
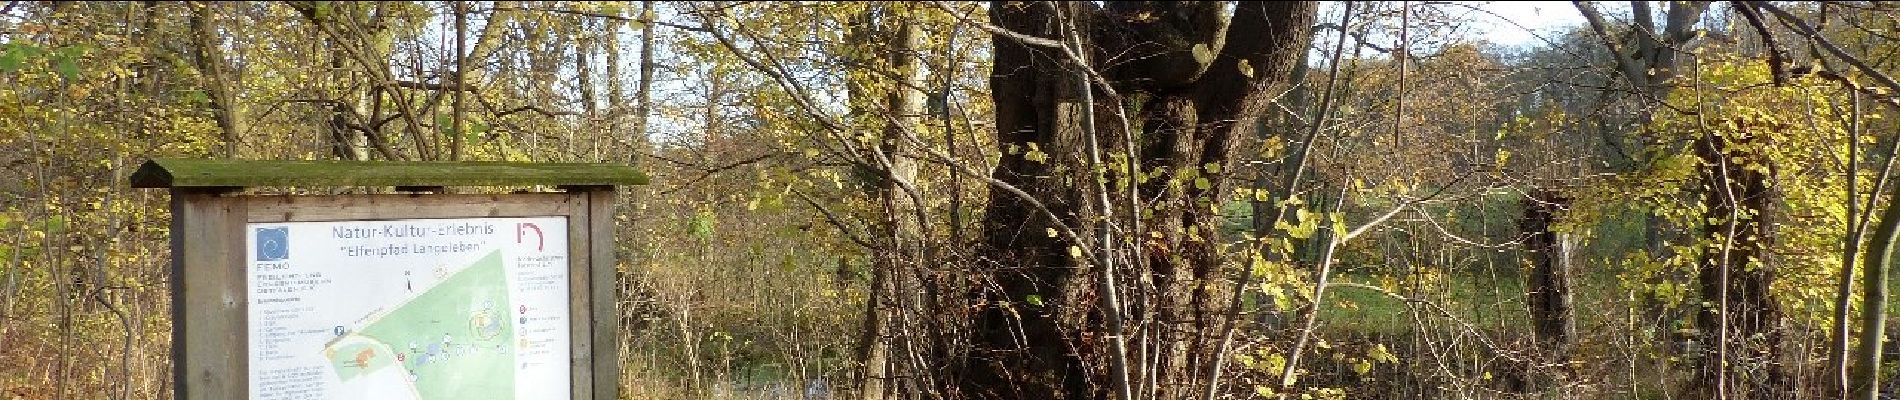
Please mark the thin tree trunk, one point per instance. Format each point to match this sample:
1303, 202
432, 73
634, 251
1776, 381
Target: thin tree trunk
586, 45
903, 110
616, 128
215, 76
616, 87
873, 348
1873, 307
1837, 354
1106, 287
461, 80
643, 96
343, 139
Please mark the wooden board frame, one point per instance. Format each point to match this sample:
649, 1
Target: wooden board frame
180, 173
210, 335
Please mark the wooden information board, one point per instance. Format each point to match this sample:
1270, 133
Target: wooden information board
391, 296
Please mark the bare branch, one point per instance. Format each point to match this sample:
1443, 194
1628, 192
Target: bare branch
1000, 31
1806, 30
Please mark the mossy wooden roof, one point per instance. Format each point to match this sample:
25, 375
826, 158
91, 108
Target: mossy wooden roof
186, 173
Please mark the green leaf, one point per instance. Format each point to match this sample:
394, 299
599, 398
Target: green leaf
1202, 54
1307, 224
66, 63
196, 97
54, 224
1203, 183
702, 225
67, 69
321, 9
1035, 154
1381, 354
1034, 300
13, 58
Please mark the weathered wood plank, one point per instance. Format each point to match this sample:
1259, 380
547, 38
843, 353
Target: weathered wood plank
402, 206
210, 344
175, 173
606, 316
580, 305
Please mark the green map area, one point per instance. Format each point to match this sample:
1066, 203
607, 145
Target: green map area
452, 341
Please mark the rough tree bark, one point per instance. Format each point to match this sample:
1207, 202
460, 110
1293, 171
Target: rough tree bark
902, 111
1039, 333
1552, 314
905, 104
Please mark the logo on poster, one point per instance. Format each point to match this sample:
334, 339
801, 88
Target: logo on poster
521, 232
273, 244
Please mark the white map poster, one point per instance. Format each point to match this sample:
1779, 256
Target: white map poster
423, 309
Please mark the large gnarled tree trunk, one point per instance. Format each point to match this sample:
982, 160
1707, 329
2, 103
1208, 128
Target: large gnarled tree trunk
1200, 78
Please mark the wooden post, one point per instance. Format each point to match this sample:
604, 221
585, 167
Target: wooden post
208, 309
606, 316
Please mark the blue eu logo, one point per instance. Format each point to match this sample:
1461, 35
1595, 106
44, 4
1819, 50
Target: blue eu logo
273, 244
